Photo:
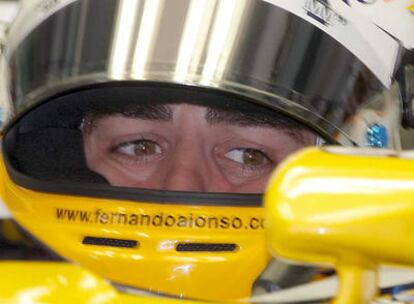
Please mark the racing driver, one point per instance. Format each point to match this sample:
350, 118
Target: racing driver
140, 134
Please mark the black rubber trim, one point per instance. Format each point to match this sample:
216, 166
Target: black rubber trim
132, 194
207, 247
101, 241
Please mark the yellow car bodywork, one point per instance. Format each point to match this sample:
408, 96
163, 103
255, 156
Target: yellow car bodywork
46, 282
65, 223
351, 210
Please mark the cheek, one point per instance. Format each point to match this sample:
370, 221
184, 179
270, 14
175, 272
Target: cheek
234, 182
256, 186
121, 176
120, 180
92, 152
99, 160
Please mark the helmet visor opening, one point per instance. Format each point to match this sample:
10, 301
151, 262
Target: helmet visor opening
157, 138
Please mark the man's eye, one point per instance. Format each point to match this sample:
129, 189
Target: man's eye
250, 157
140, 148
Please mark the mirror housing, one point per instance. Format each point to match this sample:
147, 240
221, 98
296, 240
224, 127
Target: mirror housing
351, 209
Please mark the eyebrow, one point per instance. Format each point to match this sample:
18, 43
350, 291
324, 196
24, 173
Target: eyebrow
231, 116
151, 112
244, 116
256, 117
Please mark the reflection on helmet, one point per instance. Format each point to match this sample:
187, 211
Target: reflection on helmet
143, 134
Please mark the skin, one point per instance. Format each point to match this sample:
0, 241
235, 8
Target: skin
188, 152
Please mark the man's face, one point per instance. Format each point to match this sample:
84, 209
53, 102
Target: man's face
189, 148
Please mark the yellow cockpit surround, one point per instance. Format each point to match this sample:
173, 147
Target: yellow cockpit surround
143, 240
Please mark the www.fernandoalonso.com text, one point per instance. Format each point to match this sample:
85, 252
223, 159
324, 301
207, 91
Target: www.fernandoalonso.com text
159, 219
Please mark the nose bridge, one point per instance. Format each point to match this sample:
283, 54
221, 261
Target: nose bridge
185, 171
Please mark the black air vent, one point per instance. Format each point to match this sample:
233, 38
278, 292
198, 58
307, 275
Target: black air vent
99, 241
210, 247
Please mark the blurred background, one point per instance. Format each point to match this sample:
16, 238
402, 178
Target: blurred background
8, 9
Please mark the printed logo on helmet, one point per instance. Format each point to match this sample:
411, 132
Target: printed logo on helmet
321, 11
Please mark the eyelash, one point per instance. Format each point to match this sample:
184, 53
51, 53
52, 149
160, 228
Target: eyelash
251, 150
141, 160
239, 169
246, 169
